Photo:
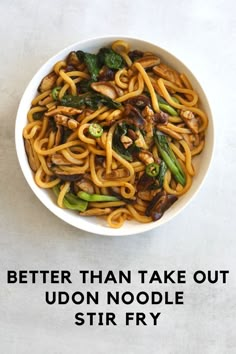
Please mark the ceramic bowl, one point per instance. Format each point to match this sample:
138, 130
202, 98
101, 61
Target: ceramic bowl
93, 224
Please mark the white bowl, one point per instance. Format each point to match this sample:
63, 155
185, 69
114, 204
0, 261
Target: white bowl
93, 224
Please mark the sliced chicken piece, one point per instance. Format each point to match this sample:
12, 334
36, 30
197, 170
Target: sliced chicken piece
68, 122
48, 82
191, 121
168, 73
63, 110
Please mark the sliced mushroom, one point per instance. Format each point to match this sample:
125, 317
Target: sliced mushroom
96, 212
60, 160
168, 73
148, 61
191, 121
85, 185
73, 60
133, 116
161, 117
135, 54
140, 101
32, 156
144, 182
159, 204
63, 110
66, 176
132, 134
48, 82
106, 74
107, 88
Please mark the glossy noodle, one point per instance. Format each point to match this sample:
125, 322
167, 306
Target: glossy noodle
114, 134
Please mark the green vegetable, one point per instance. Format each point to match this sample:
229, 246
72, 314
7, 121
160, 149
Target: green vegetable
38, 115
164, 106
162, 172
75, 101
53, 124
169, 158
55, 92
161, 99
91, 61
91, 99
175, 99
95, 130
113, 60
84, 85
152, 169
65, 135
94, 62
168, 109
71, 201
117, 146
96, 197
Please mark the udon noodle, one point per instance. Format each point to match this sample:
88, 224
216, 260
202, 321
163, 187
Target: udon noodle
114, 134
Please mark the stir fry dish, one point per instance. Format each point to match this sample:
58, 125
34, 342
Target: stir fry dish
114, 134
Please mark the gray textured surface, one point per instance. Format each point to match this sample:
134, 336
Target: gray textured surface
203, 34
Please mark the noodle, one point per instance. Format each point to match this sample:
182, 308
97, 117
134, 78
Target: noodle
126, 145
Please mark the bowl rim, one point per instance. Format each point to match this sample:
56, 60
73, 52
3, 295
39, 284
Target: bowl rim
94, 228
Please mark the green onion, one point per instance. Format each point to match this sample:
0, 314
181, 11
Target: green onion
96, 197
168, 109
169, 157
71, 201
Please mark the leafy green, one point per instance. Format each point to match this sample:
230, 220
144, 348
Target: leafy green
84, 85
117, 146
164, 106
65, 135
162, 172
107, 56
168, 109
94, 62
38, 115
169, 157
91, 99
161, 99
91, 61
52, 124
96, 197
121, 129
71, 201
